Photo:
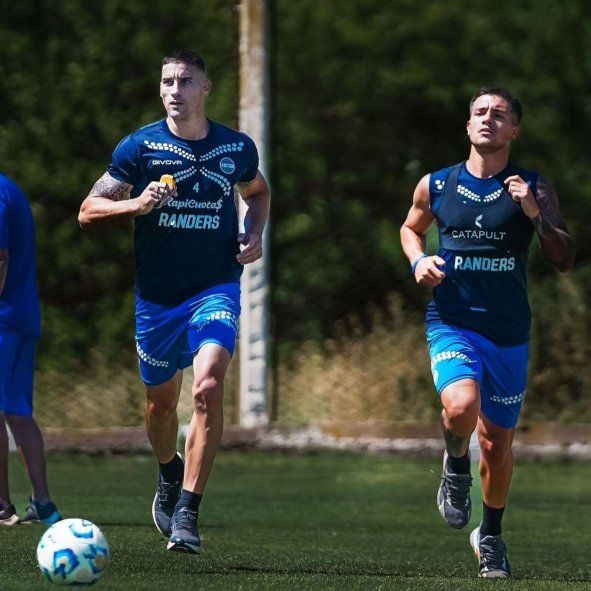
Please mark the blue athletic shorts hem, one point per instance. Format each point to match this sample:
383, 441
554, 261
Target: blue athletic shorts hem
455, 379
17, 371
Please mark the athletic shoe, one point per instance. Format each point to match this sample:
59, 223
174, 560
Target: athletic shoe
492, 556
8, 515
165, 500
45, 513
453, 496
185, 535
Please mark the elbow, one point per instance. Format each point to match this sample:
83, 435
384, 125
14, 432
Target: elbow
84, 219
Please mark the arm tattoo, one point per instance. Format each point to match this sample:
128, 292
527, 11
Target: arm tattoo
556, 242
548, 203
110, 188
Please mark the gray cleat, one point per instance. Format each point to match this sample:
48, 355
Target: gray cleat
453, 497
492, 556
185, 535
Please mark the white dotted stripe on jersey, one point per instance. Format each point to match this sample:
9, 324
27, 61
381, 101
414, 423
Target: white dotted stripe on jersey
439, 184
219, 179
181, 175
148, 358
170, 148
509, 400
465, 192
222, 149
226, 317
445, 355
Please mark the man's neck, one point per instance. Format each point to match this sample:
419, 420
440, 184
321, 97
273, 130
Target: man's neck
195, 128
485, 164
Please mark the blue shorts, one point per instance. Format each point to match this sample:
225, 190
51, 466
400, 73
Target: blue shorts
17, 370
457, 354
167, 338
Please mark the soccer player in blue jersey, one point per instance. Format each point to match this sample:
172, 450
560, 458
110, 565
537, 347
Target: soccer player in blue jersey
20, 327
189, 264
487, 211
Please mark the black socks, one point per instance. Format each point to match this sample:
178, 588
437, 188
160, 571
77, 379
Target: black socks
491, 521
190, 499
173, 470
459, 465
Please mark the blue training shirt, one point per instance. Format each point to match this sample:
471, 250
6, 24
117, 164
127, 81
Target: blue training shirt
19, 301
188, 245
484, 238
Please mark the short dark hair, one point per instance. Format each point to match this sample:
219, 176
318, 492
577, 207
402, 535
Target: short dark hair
185, 56
503, 93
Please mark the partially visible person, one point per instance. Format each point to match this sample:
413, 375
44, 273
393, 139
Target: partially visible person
20, 327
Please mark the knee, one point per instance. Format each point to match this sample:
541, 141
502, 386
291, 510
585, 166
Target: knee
208, 393
462, 409
161, 408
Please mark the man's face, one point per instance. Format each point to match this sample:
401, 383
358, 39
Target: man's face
183, 89
492, 123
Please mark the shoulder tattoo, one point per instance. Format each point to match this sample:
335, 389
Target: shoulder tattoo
110, 188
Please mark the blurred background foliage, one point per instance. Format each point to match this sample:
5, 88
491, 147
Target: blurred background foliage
367, 97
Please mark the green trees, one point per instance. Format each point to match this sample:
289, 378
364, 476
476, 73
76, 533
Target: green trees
367, 97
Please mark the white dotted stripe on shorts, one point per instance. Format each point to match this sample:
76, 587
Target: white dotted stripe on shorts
226, 317
445, 355
148, 358
509, 400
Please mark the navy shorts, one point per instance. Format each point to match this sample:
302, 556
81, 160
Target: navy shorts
457, 354
167, 337
17, 370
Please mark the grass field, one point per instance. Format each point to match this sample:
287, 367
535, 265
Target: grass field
313, 522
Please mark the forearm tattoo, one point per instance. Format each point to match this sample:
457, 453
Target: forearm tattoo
110, 188
555, 240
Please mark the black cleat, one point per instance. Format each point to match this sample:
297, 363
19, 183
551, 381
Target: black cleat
8, 515
185, 535
453, 497
492, 556
165, 500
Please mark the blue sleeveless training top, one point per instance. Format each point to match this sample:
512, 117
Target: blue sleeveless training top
484, 238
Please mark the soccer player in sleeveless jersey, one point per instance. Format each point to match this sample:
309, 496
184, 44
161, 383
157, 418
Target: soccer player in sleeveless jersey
189, 264
487, 211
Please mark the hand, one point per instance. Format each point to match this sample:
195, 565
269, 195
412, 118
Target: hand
154, 196
521, 193
428, 271
253, 248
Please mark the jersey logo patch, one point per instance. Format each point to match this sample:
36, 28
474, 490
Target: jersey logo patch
227, 165
478, 220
